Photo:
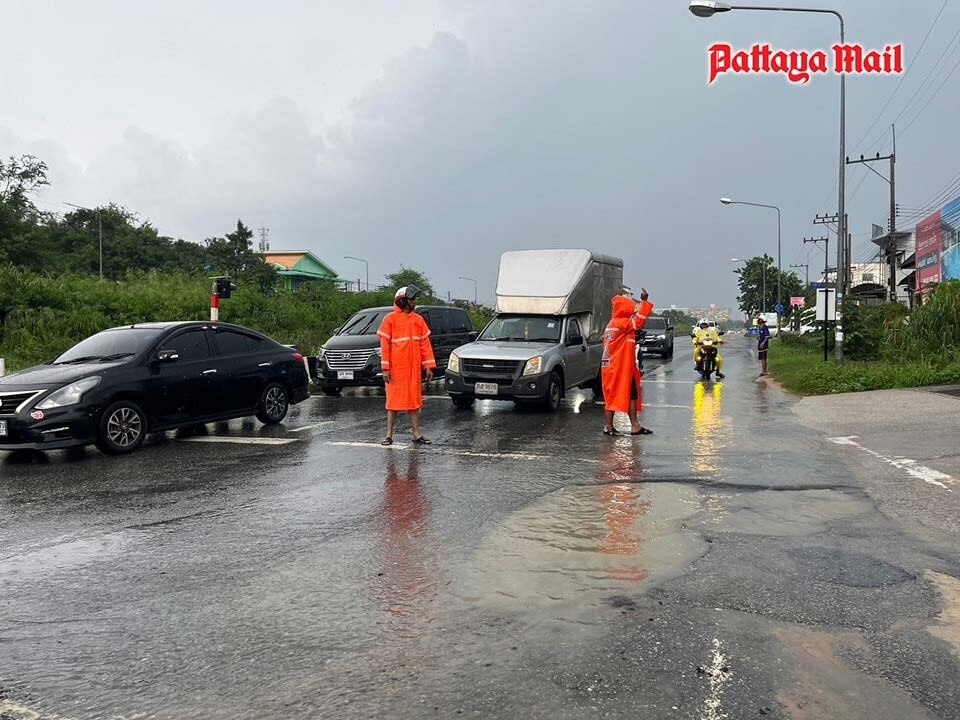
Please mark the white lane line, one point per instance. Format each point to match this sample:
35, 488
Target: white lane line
311, 427
719, 674
10, 709
910, 467
457, 453
240, 440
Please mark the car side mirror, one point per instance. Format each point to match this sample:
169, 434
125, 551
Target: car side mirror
669, 328
167, 356
336, 331
473, 335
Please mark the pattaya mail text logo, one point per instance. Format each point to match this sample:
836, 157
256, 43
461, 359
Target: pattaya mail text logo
799, 65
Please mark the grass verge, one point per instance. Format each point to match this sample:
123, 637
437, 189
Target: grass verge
802, 370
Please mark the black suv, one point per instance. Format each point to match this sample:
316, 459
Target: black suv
351, 358
656, 337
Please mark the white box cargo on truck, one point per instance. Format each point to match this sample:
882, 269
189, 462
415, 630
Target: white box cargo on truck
560, 282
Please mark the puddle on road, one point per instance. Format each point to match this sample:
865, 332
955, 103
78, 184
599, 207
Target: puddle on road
792, 513
948, 627
65, 555
575, 548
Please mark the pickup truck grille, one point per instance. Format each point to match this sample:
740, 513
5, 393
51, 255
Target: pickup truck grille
348, 359
492, 367
10, 402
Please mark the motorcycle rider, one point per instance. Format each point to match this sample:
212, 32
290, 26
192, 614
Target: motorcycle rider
705, 332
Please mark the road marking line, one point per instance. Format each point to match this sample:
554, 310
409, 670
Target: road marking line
457, 453
911, 467
719, 674
240, 440
311, 427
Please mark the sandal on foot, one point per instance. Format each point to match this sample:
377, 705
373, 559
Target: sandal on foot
421, 441
643, 431
387, 441
611, 431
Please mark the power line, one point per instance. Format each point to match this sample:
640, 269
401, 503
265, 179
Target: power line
931, 98
902, 77
928, 76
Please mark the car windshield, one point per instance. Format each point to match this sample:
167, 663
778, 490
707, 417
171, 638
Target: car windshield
110, 345
656, 324
364, 323
523, 328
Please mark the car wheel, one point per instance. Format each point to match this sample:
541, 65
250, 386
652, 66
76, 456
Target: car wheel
274, 403
331, 390
122, 428
551, 401
463, 403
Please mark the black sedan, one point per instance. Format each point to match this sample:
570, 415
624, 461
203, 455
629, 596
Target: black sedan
118, 385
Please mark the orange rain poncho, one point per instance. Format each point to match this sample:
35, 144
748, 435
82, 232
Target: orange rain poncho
619, 367
405, 351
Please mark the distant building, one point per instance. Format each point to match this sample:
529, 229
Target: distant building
717, 314
297, 267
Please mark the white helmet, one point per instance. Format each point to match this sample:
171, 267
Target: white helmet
703, 321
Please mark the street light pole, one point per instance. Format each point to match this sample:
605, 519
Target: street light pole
708, 8
366, 264
99, 230
474, 287
728, 201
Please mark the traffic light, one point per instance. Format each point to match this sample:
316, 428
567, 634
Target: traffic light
225, 288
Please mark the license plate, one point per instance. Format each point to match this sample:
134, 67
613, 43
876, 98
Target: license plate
344, 374
487, 389
3, 428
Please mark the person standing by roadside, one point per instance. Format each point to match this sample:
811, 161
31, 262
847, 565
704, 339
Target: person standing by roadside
405, 352
763, 343
619, 370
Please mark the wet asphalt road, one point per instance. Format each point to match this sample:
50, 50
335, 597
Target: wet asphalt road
733, 565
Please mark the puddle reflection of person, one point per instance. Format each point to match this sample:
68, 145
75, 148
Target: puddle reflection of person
620, 495
408, 574
706, 425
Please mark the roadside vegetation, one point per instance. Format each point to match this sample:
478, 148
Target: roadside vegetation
886, 347
51, 296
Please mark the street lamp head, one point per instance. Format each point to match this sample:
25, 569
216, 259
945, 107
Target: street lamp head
735, 260
727, 201
706, 8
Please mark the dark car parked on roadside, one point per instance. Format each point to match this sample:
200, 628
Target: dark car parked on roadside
351, 358
656, 337
115, 387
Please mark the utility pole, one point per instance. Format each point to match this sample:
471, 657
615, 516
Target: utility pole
826, 290
264, 244
838, 283
892, 238
806, 267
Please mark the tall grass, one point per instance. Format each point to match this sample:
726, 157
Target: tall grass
41, 316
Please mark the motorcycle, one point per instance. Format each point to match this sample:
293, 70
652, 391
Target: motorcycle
708, 359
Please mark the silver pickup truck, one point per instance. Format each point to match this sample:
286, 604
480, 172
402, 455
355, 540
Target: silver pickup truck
547, 336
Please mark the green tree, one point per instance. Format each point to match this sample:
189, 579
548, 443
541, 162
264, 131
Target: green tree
751, 286
19, 217
233, 255
408, 276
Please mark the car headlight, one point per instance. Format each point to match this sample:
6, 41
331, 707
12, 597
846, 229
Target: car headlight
378, 351
661, 337
533, 366
453, 364
70, 394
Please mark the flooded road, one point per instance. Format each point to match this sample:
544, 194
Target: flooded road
732, 565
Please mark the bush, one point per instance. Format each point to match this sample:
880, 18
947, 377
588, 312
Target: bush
868, 329
932, 332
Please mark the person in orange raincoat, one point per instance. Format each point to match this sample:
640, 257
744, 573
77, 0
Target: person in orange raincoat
405, 352
619, 371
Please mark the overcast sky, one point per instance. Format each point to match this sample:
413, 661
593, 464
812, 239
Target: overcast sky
438, 133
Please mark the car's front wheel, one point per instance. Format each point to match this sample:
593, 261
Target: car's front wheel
274, 404
122, 428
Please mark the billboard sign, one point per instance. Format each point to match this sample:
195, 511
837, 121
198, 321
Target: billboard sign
798, 302
950, 241
928, 252
826, 305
